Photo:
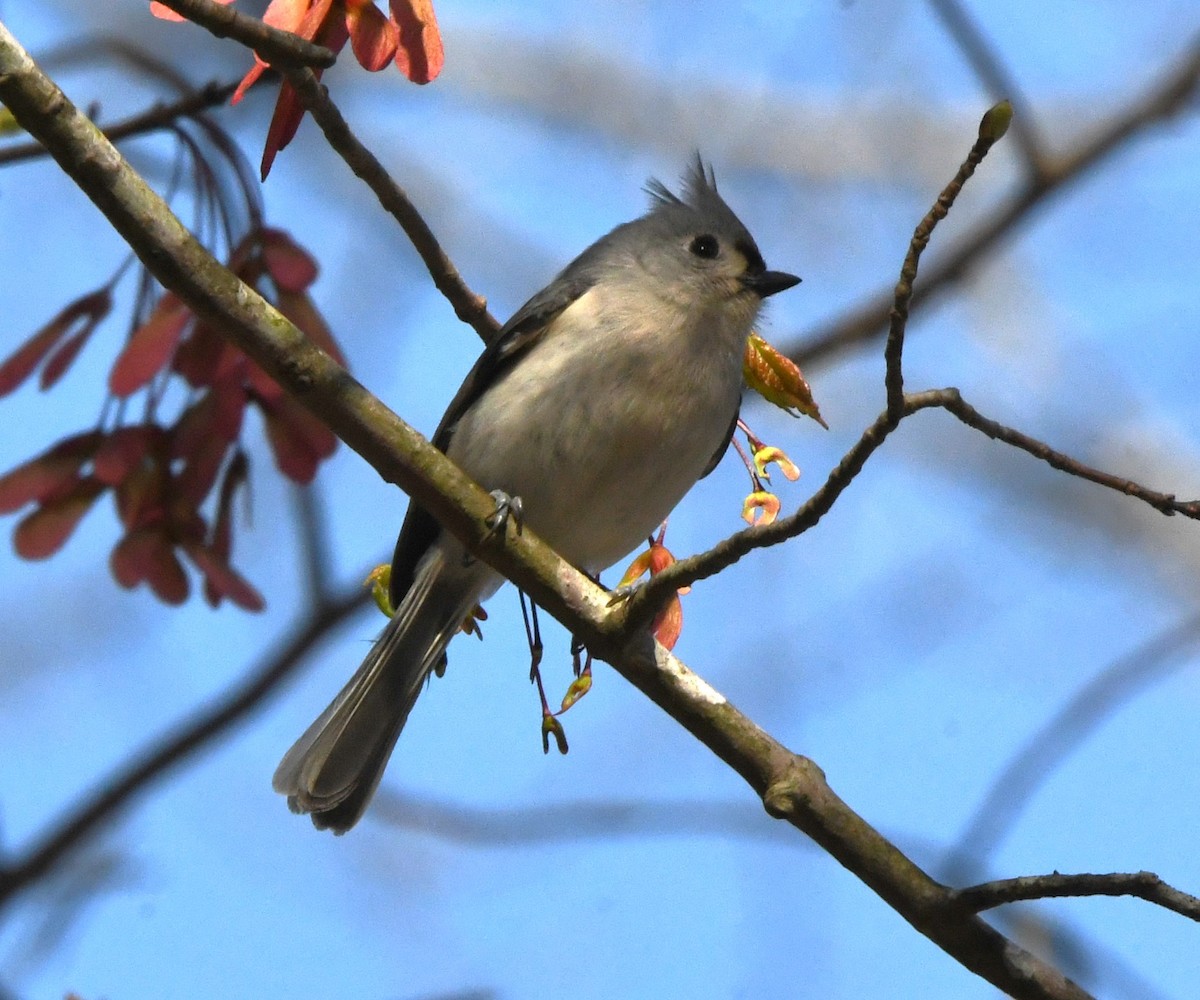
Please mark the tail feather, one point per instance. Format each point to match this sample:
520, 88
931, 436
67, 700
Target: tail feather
333, 770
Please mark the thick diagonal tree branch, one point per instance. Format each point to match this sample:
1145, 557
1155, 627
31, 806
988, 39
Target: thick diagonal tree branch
794, 788
790, 786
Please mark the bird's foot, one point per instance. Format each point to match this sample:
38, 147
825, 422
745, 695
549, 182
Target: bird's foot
619, 595
506, 507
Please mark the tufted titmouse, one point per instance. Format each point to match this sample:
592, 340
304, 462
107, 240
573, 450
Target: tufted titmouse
599, 404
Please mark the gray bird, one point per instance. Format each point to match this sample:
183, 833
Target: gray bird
599, 405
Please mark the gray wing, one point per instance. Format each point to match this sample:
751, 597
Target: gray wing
724, 445
420, 529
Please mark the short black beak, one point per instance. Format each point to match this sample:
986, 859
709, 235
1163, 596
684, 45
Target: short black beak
769, 282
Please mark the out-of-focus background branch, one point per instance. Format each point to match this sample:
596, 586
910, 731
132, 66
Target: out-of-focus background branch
1046, 175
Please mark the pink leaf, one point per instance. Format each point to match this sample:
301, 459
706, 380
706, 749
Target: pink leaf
299, 308
123, 451
200, 472
320, 439
299, 440
142, 496
45, 531
18, 366
318, 27
372, 36
222, 580
63, 357
420, 55
249, 80
201, 355
289, 15
166, 575
48, 473
220, 544
262, 386
291, 266
131, 555
147, 555
286, 15
668, 623
292, 454
150, 347
284, 122
163, 12
218, 413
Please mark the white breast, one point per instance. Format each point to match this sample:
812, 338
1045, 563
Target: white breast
605, 424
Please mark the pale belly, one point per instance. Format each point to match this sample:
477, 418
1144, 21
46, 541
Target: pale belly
598, 469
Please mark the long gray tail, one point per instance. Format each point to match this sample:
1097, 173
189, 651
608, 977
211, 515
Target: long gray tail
334, 768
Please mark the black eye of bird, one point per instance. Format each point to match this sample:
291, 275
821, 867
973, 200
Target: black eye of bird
705, 246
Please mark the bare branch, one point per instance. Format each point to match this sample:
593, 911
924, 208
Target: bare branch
994, 75
1145, 885
468, 306
279, 48
1166, 503
150, 765
793, 788
644, 604
158, 117
570, 821
991, 129
1167, 98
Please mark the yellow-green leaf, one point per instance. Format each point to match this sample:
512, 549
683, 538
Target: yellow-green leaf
778, 379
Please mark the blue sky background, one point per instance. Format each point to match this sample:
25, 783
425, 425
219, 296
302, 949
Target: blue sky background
958, 595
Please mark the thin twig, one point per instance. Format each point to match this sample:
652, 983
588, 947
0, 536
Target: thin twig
468, 306
1166, 503
644, 603
158, 117
991, 128
279, 48
560, 822
994, 75
1145, 885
